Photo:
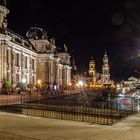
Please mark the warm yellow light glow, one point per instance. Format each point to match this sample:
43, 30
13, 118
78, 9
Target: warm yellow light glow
39, 81
23, 80
70, 84
81, 83
86, 85
77, 85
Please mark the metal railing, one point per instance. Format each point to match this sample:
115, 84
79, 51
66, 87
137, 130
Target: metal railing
105, 111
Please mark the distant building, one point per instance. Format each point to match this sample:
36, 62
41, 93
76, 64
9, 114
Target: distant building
33, 58
105, 76
96, 77
92, 70
132, 82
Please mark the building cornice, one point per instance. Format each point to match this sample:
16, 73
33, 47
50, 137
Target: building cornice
20, 48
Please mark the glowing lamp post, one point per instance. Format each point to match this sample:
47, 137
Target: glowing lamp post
23, 80
81, 84
38, 87
70, 87
70, 84
39, 82
24, 84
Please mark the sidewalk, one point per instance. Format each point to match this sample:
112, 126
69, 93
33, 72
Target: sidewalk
51, 129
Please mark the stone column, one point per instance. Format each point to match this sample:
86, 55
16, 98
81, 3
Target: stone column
5, 61
0, 65
49, 68
21, 66
57, 73
35, 71
30, 70
51, 74
12, 67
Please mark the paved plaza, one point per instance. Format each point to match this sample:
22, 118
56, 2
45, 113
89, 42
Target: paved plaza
15, 127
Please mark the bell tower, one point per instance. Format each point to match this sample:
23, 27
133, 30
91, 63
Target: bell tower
92, 70
105, 77
3, 13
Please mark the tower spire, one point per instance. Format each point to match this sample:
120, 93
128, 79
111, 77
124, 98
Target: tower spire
105, 77
105, 52
92, 70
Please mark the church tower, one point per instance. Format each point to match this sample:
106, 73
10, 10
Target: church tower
105, 76
92, 70
3, 12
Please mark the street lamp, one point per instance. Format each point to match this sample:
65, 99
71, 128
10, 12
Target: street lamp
70, 84
23, 80
81, 84
24, 84
69, 87
38, 87
39, 82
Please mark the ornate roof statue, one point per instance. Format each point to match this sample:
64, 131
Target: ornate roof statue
3, 2
66, 48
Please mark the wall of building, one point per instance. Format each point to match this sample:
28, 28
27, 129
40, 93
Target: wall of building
16, 62
33, 58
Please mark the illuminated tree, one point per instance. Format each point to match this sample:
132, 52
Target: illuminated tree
6, 87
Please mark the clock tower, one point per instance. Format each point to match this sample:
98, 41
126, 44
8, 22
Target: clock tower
92, 70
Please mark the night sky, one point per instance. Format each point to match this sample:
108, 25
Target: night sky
88, 28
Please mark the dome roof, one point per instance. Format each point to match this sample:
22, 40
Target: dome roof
3, 2
37, 33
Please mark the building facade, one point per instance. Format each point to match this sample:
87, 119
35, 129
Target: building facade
32, 58
105, 76
92, 70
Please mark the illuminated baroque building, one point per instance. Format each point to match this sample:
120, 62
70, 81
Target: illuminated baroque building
32, 58
104, 76
92, 70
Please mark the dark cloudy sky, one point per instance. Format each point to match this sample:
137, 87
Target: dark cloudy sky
88, 28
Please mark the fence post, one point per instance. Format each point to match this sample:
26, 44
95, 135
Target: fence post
111, 109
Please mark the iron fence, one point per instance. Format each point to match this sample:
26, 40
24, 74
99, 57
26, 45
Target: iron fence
105, 111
